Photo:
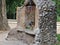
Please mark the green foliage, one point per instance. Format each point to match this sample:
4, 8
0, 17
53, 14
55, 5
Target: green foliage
58, 18
12, 4
11, 7
57, 9
58, 37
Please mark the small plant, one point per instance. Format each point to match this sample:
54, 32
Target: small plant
58, 38
27, 27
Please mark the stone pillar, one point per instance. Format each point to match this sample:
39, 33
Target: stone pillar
18, 12
36, 18
20, 17
46, 34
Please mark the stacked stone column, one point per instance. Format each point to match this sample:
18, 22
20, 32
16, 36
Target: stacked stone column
46, 34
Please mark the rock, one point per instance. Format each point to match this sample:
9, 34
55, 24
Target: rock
20, 35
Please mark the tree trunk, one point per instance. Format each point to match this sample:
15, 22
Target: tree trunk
3, 18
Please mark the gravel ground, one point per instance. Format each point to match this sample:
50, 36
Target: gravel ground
3, 40
12, 43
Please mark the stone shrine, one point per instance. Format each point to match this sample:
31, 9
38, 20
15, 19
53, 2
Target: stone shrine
36, 23
28, 15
